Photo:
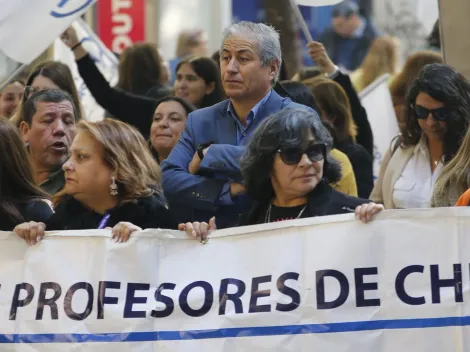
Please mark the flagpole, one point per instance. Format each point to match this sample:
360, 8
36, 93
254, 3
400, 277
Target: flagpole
301, 21
12, 76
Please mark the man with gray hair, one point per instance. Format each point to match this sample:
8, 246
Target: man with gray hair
48, 130
202, 172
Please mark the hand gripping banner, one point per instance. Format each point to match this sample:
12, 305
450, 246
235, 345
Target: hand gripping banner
398, 283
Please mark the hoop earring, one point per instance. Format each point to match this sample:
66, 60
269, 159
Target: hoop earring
113, 188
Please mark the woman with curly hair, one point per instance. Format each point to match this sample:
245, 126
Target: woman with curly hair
401, 83
437, 118
287, 169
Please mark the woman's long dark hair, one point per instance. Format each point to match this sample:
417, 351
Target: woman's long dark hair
289, 128
207, 69
442, 83
17, 184
140, 69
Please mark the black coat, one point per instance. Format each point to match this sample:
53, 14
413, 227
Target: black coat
136, 110
156, 92
362, 164
364, 131
34, 210
323, 200
146, 212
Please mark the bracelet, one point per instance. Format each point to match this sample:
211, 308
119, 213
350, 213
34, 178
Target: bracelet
76, 46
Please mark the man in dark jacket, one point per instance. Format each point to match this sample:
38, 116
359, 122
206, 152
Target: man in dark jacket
48, 130
350, 36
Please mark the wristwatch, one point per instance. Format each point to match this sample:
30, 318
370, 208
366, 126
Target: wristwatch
200, 149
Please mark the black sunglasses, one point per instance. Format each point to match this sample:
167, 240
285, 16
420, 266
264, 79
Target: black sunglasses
292, 156
439, 114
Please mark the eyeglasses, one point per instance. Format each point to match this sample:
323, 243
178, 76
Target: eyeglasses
292, 156
439, 114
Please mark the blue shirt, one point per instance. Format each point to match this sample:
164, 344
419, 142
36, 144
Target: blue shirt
347, 46
242, 131
251, 117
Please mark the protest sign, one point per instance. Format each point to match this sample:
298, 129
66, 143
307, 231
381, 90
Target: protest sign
399, 283
121, 23
377, 101
28, 27
104, 59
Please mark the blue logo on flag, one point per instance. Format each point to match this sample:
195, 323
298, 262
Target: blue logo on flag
64, 11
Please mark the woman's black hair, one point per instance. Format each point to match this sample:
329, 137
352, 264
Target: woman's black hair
442, 83
298, 92
289, 128
209, 71
188, 107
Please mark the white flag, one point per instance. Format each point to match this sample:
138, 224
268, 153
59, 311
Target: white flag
104, 59
28, 27
318, 2
377, 101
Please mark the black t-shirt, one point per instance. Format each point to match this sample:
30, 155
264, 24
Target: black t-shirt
284, 213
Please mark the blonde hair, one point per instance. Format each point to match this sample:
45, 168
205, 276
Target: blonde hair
333, 101
454, 179
381, 59
187, 41
127, 153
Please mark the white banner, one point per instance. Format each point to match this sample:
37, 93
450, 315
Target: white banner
399, 283
318, 2
377, 101
104, 59
28, 27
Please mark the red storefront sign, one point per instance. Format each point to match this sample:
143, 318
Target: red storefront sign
120, 23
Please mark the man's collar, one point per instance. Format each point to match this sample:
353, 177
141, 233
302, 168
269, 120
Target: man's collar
254, 110
54, 183
53, 175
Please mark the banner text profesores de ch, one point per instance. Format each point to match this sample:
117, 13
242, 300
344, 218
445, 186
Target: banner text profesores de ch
245, 296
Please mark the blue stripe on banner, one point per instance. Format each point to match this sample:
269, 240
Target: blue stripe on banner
239, 332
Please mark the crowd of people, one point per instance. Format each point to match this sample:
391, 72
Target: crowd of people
201, 144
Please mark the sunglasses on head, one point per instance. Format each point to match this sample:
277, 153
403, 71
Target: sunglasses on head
292, 156
439, 114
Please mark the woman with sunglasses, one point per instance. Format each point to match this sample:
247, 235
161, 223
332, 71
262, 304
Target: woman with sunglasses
287, 169
438, 113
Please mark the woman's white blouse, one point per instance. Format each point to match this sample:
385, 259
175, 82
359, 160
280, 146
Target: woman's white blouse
414, 187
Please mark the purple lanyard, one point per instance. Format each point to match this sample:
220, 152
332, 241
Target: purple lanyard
104, 221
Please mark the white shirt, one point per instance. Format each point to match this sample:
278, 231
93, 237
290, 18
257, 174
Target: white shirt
415, 185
